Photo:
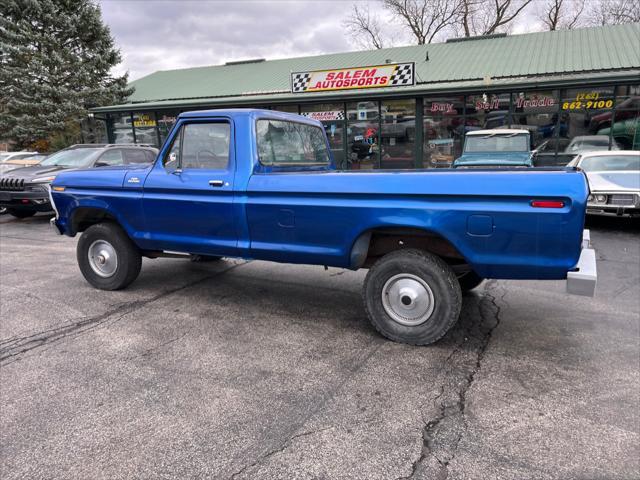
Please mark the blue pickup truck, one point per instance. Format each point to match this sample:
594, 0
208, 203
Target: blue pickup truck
261, 184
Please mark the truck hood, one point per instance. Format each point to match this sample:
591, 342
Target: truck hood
29, 173
614, 181
507, 159
103, 177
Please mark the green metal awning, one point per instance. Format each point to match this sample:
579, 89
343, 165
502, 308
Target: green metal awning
544, 59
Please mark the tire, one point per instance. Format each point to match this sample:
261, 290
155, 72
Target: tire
97, 248
21, 213
204, 258
409, 275
469, 281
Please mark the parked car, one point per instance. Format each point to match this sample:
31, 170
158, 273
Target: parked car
262, 184
626, 133
614, 181
24, 191
545, 154
495, 148
26, 161
590, 143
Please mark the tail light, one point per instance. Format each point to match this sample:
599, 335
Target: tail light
547, 203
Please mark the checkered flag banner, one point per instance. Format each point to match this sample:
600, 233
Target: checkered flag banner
403, 75
300, 81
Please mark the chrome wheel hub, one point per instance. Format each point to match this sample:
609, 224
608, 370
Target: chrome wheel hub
103, 258
408, 299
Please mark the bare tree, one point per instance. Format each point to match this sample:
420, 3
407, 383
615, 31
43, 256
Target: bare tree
614, 12
424, 19
561, 14
485, 17
365, 28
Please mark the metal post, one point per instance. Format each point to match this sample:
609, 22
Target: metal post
419, 136
133, 128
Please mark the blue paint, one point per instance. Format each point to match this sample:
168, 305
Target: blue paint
316, 215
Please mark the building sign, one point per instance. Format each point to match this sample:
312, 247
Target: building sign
328, 116
142, 121
376, 76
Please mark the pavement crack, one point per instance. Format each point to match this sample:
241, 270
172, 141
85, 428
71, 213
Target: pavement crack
12, 348
283, 445
441, 435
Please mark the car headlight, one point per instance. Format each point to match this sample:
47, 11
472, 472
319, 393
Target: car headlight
590, 198
44, 179
601, 198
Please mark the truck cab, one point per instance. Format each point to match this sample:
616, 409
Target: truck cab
496, 148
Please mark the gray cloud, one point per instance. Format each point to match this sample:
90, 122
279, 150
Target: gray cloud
161, 35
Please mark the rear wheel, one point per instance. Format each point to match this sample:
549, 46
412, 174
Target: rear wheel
107, 257
469, 281
21, 213
412, 296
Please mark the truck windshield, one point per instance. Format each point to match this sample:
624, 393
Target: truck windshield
611, 163
496, 143
78, 157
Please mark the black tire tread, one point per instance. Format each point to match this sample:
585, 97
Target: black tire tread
129, 257
469, 281
21, 213
421, 260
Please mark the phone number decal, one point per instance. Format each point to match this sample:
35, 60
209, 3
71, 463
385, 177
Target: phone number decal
579, 104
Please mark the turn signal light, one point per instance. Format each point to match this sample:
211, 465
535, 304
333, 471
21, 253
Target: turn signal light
547, 204
58, 189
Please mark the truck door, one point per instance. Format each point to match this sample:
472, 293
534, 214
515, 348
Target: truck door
188, 195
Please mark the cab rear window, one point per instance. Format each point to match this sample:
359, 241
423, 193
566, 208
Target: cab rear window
283, 143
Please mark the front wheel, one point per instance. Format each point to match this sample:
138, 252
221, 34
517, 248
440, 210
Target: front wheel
412, 296
107, 257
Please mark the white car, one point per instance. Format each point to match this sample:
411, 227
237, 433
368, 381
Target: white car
614, 181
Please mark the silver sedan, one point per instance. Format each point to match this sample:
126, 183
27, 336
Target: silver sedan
614, 181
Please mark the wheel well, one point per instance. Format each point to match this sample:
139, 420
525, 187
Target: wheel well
84, 217
386, 240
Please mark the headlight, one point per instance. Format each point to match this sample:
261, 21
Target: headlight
590, 198
601, 198
44, 179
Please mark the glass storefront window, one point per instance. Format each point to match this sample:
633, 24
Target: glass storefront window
285, 108
488, 110
144, 124
444, 129
625, 129
588, 112
332, 117
398, 134
122, 128
165, 122
363, 142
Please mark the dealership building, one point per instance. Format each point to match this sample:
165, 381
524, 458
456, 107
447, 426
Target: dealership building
410, 107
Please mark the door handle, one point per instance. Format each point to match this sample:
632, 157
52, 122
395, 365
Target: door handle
216, 183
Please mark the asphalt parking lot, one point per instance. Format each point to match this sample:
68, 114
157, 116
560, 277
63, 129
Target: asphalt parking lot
254, 370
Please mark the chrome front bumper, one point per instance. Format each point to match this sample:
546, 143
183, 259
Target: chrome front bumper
583, 278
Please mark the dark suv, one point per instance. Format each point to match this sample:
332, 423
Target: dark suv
24, 191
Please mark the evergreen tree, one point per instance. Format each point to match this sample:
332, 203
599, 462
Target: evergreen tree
55, 63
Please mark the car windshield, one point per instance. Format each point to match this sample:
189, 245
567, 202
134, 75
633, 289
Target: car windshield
496, 143
78, 157
611, 163
583, 145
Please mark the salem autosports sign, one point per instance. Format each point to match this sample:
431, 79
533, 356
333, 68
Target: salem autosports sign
375, 76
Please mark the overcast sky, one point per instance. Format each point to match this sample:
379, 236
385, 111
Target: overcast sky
167, 34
